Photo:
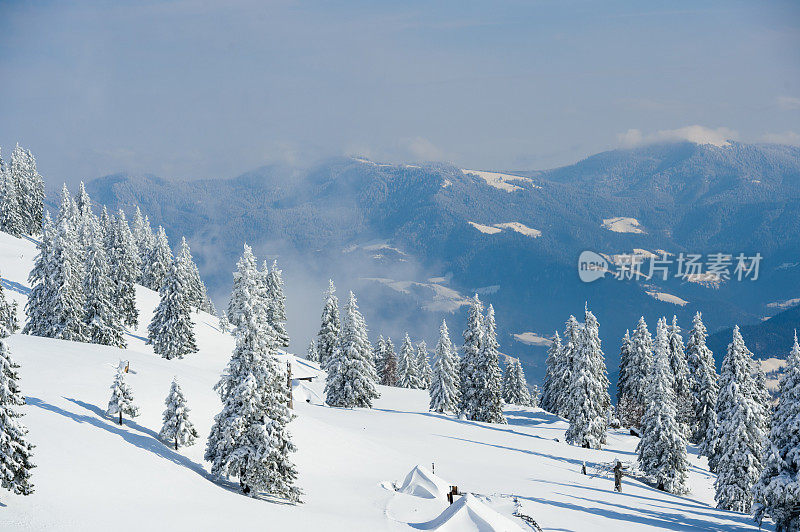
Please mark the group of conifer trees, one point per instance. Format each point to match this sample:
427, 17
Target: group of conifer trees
21, 194
472, 386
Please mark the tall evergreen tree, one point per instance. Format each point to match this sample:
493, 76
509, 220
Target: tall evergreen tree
11, 216
515, 388
277, 306
38, 322
249, 438
378, 352
311, 352
487, 378
330, 329
777, 492
196, 290
662, 449
102, 319
473, 344
635, 376
15, 449
388, 365
680, 370
125, 269
245, 286
423, 366
589, 402
65, 297
444, 378
144, 238
565, 370
740, 430
351, 377
171, 332
624, 360
158, 262
121, 401
8, 314
177, 430
407, 366
550, 393
703, 386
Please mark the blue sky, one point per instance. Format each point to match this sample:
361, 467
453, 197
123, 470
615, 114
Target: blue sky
201, 89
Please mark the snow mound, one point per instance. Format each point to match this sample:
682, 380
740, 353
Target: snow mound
488, 229
622, 224
667, 298
302, 392
500, 181
513, 226
422, 482
468, 514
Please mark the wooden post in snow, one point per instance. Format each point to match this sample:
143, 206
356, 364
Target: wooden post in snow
289, 383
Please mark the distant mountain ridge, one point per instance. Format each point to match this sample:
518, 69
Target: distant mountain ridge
685, 197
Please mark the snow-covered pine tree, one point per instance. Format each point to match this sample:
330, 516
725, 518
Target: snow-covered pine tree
535, 395
277, 308
407, 366
195, 288
350, 381
311, 352
589, 401
37, 311
761, 394
423, 365
680, 370
224, 324
635, 375
102, 319
144, 239
177, 430
15, 449
65, 297
389, 365
777, 492
330, 328
158, 262
551, 391
245, 286
515, 388
125, 268
11, 216
31, 188
487, 378
249, 438
444, 378
106, 225
703, 386
572, 338
121, 401
378, 352
84, 219
662, 449
473, 344
8, 314
171, 330
624, 356
740, 431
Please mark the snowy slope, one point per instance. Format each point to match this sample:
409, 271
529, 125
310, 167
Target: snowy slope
95, 475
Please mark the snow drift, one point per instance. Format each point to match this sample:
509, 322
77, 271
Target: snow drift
468, 514
421, 482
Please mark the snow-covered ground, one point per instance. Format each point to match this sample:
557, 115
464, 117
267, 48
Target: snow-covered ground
513, 226
501, 181
623, 224
93, 474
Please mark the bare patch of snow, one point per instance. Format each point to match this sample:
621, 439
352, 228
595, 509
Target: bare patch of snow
488, 229
532, 338
501, 181
667, 298
784, 304
623, 224
513, 226
421, 482
469, 513
709, 280
433, 297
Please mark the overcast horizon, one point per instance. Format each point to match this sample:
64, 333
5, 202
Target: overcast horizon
189, 90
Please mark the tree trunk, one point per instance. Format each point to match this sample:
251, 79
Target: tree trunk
120, 417
176, 443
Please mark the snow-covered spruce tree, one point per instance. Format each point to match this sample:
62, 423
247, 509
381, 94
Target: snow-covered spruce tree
171, 330
350, 381
249, 438
277, 303
703, 386
572, 338
680, 370
102, 319
515, 388
11, 217
8, 314
444, 378
388, 365
473, 345
144, 239
624, 360
551, 391
423, 365
245, 285
177, 430
378, 352
487, 376
535, 395
121, 401
407, 366
158, 262
106, 225
589, 401
15, 450
662, 449
740, 434
31, 189
65, 297
38, 322
635, 376
761, 394
198, 296
777, 492
311, 352
330, 328
125, 268
84, 219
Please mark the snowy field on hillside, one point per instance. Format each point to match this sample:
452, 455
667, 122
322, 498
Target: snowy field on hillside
357, 467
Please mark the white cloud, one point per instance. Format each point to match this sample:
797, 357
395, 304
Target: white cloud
788, 137
424, 150
788, 102
697, 134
